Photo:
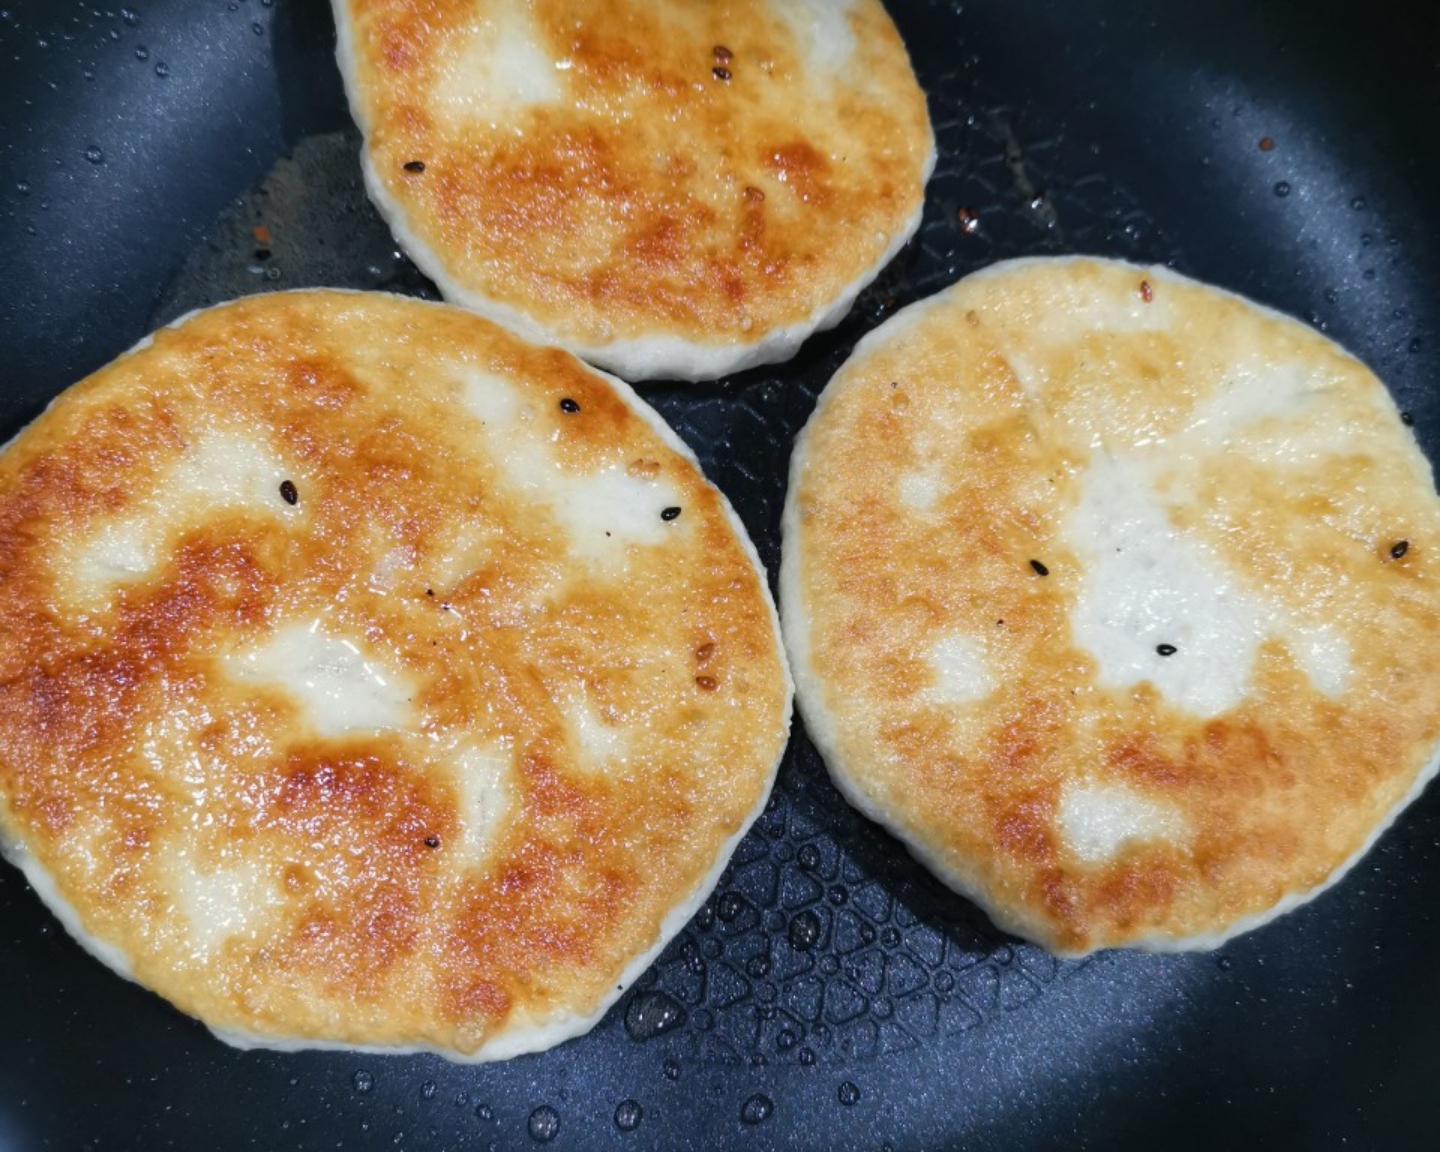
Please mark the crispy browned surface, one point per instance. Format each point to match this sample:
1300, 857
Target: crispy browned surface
650, 196
1016, 383
132, 760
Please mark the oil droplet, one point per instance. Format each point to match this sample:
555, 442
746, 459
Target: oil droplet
23, 188
890, 938
162, 70
652, 1014
757, 1109
142, 53
848, 1093
1415, 345
1358, 204
807, 1057
804, 931
130, 16
809, 857
544, 1124
1282, 189
484, 1112
363, 1081
628, 1115
428, 1090
838, 894
94, 155
1224, 963
944, 982
785, 1040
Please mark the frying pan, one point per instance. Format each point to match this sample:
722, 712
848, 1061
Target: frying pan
830, 994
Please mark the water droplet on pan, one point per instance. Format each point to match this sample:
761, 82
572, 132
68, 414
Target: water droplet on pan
848, 1094
628, 1115
94, 154
804, 931
652, 1014
363, 1081
757, 1109
544, 1124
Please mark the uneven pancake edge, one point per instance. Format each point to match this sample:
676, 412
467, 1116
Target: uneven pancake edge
821, 722
520, 1033
656, 356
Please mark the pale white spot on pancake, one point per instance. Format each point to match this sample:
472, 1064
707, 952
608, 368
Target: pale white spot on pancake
1144, 583
598, 742
339, 688
482, 781
226, 470
822, 28
599, 513
961, 673
387, 571
496, 67
922, 487
1097, 820
224, 903
1278, 411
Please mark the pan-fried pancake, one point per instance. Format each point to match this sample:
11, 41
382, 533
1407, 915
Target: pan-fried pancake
1112, 595
372, 678
667, 188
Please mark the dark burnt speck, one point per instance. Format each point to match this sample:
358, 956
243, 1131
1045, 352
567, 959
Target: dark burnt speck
432, 842
1407, 418
1166, 649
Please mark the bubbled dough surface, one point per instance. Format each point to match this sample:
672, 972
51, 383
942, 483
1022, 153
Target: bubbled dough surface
435, 757
588, 179
1192, 470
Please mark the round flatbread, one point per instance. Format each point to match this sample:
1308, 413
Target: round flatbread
1115, 596
666, 188
374, 679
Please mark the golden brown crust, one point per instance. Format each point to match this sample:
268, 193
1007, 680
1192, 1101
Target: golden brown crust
147, 768
962, 443
686, 171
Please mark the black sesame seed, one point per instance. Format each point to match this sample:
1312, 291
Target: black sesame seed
1407, 418
432, 842
720, 73
429, 592
670, 513
416, 166
1166, 649
569, 405
288, 492
1040, 569
1399, 549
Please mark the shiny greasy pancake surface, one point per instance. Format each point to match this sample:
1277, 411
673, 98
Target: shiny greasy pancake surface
422, 758
1191, 471
589, 174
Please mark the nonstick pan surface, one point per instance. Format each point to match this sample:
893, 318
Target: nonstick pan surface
830, 994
